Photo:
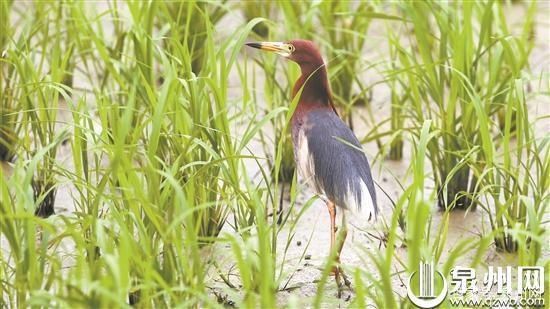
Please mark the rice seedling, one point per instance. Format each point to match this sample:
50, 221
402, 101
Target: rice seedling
280, 172
299, 17
252, 9
514, 176
400, 95
435, 72
278, 95
9, 127
397, 120
344, 26
189, 22
35, 102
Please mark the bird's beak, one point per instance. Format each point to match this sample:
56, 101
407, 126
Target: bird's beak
283, 49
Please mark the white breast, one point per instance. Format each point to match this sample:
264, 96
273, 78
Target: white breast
304, 160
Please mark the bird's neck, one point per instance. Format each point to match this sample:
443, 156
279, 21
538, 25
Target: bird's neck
316, 90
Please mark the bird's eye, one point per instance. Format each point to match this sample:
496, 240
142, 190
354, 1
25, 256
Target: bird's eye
291, 48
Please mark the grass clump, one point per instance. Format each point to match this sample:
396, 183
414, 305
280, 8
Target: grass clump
514, 179
9, 127
437, 65
344, 25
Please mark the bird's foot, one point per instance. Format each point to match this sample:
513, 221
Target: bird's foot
341, 280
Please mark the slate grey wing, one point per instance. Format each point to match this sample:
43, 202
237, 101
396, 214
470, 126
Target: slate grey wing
338, 171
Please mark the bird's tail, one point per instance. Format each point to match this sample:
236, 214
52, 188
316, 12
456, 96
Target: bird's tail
362, 201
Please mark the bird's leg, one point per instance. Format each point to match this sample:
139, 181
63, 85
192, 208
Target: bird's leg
332, 212
340, 245
337, 270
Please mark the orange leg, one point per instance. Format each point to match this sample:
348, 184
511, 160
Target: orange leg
332, 212
338, 272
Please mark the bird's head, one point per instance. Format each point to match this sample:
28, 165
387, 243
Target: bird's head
306, 54
303, 52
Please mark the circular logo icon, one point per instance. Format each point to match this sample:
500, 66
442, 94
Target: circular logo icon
426, 297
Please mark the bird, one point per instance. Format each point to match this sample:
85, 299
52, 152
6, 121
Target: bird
328, 155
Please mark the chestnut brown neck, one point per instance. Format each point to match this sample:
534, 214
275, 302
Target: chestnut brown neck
315, 82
